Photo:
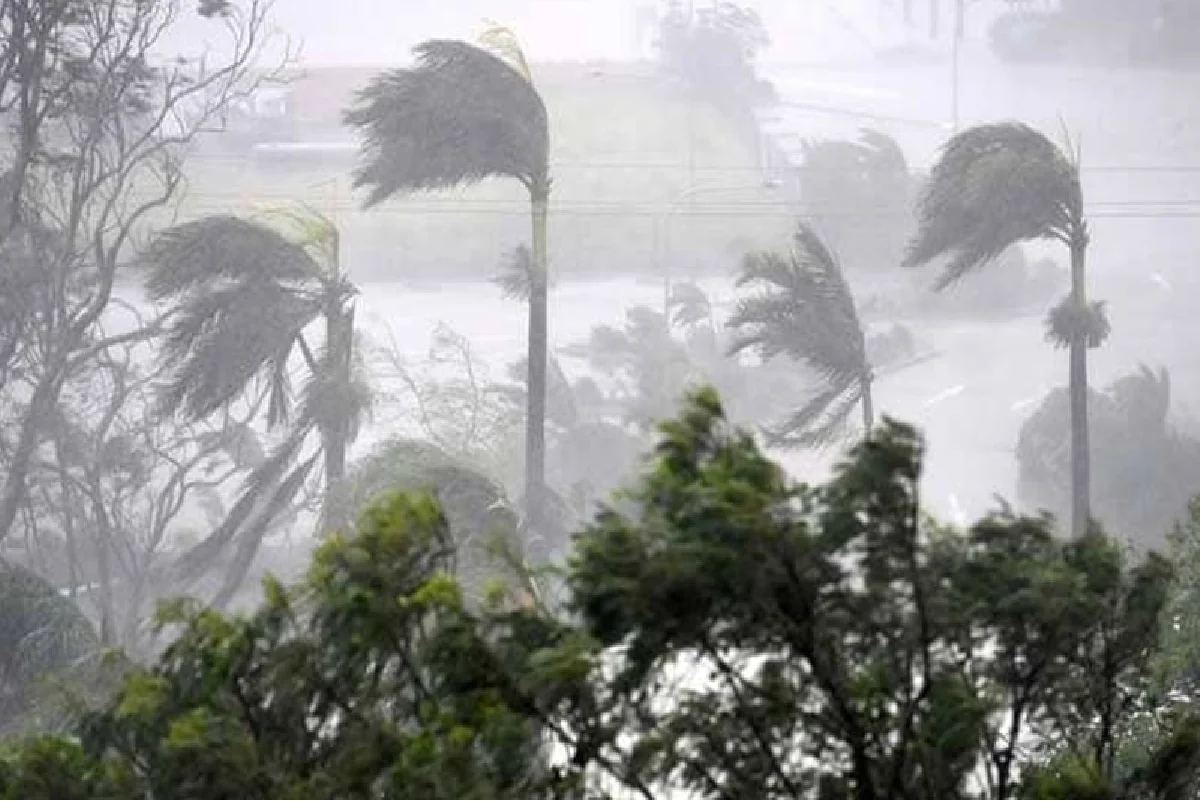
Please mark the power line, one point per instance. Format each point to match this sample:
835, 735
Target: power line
562, 210
468, 205
283, 163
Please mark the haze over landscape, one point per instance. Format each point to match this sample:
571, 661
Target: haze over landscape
452, 315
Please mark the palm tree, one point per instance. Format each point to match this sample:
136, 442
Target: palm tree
994, 186
242, 295
43, 636
476, 507
460, 115
804, 310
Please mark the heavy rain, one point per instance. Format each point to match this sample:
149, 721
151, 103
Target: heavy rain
599, 398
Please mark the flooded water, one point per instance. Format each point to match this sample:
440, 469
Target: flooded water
969, 401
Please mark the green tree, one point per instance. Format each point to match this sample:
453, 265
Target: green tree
999, 184
729, 633
241, 296
368, 679
480, 518
804, 310
461, 115
842, 645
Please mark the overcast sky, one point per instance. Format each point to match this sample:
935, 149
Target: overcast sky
375, 31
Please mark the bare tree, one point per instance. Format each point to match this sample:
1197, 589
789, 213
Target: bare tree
108, 501
101, 127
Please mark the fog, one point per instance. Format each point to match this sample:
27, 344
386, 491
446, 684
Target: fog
661, 183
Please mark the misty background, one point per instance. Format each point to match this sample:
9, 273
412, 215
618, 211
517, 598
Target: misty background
837, 68
664, 181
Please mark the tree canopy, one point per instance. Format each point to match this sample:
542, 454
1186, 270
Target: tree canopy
728, 633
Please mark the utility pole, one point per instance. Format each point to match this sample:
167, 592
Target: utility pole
960, 25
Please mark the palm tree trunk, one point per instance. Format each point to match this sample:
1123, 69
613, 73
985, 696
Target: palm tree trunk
335, 432
535, 410
1081, 489
868, 405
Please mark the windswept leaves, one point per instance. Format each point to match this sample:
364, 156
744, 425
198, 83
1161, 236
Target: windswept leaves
242, 295
803, 309
730, 634
458, 116
222, 248
995, 185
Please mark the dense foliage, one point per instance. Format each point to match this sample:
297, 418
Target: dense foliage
1145, 469
717, 629
731, 634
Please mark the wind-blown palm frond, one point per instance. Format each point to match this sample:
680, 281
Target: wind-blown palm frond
282, 498
458, 116
515, 276
501, 41
689, 305
258, 487
221, 249
309, 229
804, 310
217, 343
242, 294
329, 400
821, 421
994, 185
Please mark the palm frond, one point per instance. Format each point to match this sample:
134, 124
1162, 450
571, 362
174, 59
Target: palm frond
689, 304
218, 342
251, 537
883, 152
515, 276
822, 421
310, 230
994, 185
803, 309
502, 41
460, 115
220, 248
257, 488
329, 401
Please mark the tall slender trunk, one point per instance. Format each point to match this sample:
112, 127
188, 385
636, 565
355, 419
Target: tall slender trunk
535, 409
335, 432
1081, 487
868, 404
339, 359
